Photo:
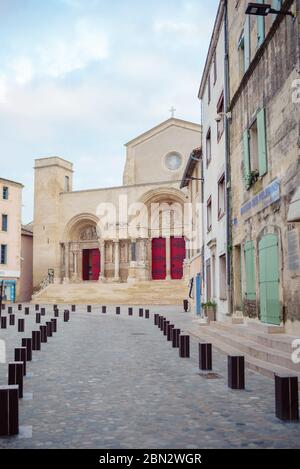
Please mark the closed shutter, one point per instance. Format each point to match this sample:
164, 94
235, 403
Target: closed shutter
269, 280
247, 169
247, 42
250, 271
262, 143
260, 27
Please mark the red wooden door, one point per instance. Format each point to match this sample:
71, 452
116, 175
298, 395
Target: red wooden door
159, 265
95, 253
85, 264
178, 253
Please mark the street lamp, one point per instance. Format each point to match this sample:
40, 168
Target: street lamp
264, 9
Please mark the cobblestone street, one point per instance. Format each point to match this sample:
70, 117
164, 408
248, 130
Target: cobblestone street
107, 381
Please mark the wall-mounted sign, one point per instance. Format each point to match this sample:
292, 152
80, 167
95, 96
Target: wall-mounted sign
264, 199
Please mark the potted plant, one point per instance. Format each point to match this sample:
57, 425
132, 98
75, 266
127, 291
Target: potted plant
210, 310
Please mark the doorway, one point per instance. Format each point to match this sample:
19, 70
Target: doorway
90, 264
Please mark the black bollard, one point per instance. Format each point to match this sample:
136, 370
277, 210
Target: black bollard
9, 310
28, 344
38, 318
55, 307
15, 376
170, 329
49, 329
27, 311
44, 337
162, 321
21, 325
130, 311
165, 329
3, 322
236, 372
66, 315
19, 307
73, 308
12, 320
54, 324
36, 340
185, 305
205, 357
118, 310
184, 346
287, 398
176, 338
56, 313
37, 307
141, 313
147, 314
156, 319
104, 310
89, 309
21, 356
9, 411
43, 312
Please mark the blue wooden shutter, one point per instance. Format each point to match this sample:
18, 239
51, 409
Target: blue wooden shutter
262, 143
260, 28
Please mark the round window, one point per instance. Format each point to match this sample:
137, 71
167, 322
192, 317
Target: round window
173, 161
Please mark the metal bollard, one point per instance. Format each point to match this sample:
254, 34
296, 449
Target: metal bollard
38, 318
176, 338
141, 313
12, 320
3, 322
27, 311
56, 313
44, 337
205, 357
9, 310
147, 314
118, 310
15, 376
37, 307
162, 320
9, 411
73, 308
66, 315
36, 340
104, 310
54, 324
165, 329
21, 325
170, 329
236, 372
21, 356
184, 346
19, 307
55, 307
28, 344
43, 312
130, 311
287, 398
49, 329
156, 319
89, 309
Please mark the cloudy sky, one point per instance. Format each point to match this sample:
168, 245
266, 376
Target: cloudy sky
80, 78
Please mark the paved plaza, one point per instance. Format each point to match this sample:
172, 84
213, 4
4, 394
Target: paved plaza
107, 381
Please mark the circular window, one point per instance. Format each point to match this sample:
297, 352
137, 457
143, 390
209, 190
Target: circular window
173, 161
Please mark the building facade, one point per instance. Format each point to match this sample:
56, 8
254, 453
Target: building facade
26, 280
124, 234
10, 238
212, 96
265, 163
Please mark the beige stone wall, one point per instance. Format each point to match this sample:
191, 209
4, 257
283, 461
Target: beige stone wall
26, 280
268, 84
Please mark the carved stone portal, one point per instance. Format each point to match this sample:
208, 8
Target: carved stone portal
89, 234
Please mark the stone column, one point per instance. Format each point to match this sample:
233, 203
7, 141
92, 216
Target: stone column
102, 261
75, 264
168, 257
117, 261
67, 263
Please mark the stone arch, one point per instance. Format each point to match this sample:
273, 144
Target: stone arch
78, 224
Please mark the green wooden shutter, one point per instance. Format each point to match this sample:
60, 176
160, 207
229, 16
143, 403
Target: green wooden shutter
269, 280
250, 271
247, 48
247, 169
262, 143
260, 28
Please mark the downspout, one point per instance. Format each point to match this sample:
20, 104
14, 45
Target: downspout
227, 164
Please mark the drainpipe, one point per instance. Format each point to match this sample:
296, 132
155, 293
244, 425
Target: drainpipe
227, 164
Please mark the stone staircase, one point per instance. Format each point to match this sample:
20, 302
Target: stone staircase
162, 293
264, 352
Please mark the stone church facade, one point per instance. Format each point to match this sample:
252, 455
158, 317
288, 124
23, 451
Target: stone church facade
75, 240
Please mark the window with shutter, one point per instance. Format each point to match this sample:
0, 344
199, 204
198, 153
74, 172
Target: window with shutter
247, 170
250, 271
262, 143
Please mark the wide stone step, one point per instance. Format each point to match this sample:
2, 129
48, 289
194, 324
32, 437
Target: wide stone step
259, 366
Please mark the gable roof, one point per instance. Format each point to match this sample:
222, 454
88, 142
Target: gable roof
163, 126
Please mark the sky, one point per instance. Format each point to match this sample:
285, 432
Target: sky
80, 78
